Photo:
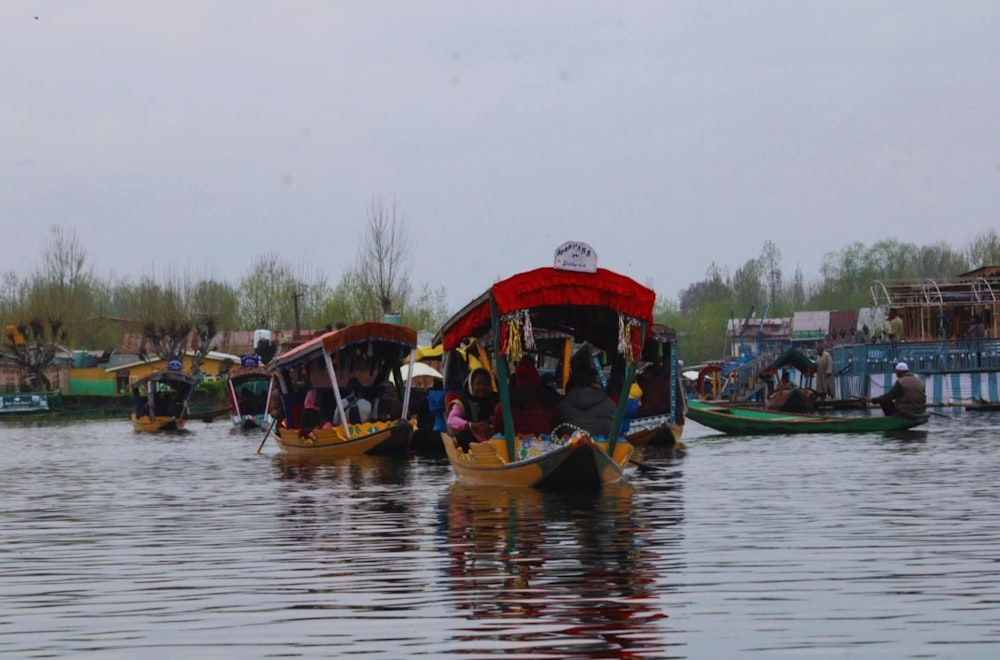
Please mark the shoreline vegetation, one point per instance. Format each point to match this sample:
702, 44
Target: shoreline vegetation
207, 407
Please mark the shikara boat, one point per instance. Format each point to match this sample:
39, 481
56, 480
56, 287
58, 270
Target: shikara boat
597, 308
160, 400
734, 420
354, 361
663, 405
250, 390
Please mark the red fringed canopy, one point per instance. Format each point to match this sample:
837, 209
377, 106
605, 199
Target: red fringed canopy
548, 287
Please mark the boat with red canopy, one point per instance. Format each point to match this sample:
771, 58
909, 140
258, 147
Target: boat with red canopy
605, 313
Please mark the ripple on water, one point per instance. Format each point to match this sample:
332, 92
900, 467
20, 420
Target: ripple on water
128, 544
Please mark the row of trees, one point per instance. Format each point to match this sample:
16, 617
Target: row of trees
64, 303
704, 308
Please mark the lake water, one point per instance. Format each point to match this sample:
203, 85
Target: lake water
121, 545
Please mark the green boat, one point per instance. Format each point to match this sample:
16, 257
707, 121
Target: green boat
746, 421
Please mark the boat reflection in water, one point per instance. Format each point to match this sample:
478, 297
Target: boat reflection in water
350, 472
553, 573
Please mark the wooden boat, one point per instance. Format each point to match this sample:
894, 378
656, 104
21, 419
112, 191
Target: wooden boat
160, 400
574, 297
363, 353
982, 406
660, 421
250, 390
734, 420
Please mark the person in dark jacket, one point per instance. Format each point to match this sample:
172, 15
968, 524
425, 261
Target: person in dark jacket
586, 405
906, 396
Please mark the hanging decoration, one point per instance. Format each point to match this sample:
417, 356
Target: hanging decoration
515, 346
629, 341
529, 332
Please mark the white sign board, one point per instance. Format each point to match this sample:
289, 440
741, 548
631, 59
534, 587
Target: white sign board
577, 256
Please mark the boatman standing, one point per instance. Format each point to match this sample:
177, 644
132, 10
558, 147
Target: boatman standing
907, 395
824, 373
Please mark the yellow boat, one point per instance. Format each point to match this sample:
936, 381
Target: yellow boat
322, 380
578, 460
604, 310
160, 400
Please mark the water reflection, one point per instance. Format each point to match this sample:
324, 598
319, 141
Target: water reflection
554, 573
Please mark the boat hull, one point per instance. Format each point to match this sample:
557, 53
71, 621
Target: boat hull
375, 438
655, 433
581, 462
158, 423
743, 421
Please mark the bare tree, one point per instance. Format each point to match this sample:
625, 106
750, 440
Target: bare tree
984, 249
42, 311
165, 317
265, 293
384, 258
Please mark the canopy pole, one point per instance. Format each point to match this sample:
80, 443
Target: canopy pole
502, 374
336, 392
409, 381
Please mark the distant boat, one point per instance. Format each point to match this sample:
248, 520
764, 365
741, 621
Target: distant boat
321, 424
250, 390
160, 400
734, 420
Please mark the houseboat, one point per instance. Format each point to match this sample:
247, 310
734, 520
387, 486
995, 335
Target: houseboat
949, 339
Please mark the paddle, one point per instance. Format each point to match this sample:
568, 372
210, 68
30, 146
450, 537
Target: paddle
267, 435
643, 466
931, 412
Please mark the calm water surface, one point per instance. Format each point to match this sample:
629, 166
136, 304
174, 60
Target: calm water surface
121, 545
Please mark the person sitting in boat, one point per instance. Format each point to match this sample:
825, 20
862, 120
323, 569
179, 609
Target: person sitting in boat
357, 408
655, 383
586, 405
311, 416
387, 406
470, 415
532, 404
907, 395
788, 397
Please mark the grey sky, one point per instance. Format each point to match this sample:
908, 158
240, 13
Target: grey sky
198, 134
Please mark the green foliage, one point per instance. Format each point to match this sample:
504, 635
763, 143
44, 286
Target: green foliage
984, 250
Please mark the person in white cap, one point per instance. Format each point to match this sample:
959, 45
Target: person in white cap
906, 396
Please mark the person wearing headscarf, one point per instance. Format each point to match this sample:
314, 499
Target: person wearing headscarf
907, 395
470, 414
532, 404
311, 416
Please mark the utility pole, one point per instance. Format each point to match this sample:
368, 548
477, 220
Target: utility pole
295, 301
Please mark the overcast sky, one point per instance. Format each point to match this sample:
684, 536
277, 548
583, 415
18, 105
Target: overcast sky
199, 134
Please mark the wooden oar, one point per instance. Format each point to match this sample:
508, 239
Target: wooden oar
643, 466
267, 435
931, 412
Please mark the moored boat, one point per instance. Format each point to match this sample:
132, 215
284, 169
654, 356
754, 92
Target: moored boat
160, 400
603, 312
734, 420
662, 403
324, 381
